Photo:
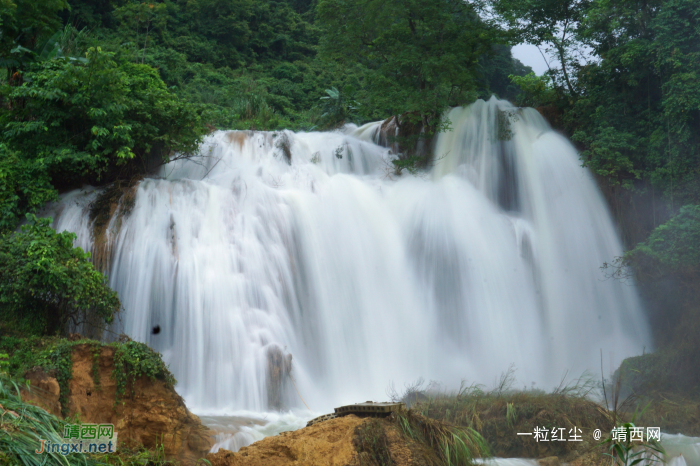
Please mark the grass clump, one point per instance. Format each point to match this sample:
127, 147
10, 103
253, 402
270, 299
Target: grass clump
372, 444
407, 434
454, 445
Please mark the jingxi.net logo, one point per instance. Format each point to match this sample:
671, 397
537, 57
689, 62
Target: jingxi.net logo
82, 438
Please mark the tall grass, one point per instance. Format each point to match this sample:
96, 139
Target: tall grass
454, 445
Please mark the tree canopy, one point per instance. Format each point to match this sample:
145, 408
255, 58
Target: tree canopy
85, 119
417, 56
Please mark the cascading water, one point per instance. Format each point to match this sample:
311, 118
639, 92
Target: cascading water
274, 248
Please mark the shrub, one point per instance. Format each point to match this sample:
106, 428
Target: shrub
47, 284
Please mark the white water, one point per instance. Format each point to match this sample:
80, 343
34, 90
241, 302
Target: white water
507, 462
367, 280
681, 450
234, 432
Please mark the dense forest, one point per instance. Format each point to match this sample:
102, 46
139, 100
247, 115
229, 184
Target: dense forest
102, 91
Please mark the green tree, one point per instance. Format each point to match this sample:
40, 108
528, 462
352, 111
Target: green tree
419, 57
535, 91
46, 284
96, 121
553, 24
641, 113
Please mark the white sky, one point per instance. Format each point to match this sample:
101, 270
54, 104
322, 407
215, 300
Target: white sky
530, 56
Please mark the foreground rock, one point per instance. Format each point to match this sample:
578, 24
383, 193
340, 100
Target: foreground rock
326, 443
153, 414
344, 441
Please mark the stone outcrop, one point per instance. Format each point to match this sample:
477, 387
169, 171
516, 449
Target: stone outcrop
327, 443
153, 414
343, 441
405, 135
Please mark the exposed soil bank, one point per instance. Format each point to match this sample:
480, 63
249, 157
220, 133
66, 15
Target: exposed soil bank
150, 415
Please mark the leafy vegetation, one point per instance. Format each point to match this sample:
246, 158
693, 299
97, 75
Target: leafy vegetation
47, 285
25, 24
667, 266
337, 108
418, 57
25, 186
85, 121
672, 247
133, 360
625, 451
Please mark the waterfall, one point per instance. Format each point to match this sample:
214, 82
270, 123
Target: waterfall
273, 251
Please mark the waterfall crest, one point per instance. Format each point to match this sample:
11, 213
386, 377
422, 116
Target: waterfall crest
278, 250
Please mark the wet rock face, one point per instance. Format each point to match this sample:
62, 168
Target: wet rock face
279, 368
406, 135
153, 414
